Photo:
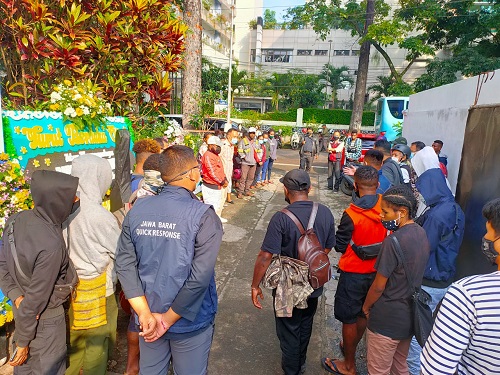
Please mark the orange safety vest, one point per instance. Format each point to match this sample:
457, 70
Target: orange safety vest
368, 230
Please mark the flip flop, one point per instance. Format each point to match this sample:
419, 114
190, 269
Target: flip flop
335, 370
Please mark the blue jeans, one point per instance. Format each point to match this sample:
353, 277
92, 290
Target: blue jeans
270, 163
413, 358
263, 174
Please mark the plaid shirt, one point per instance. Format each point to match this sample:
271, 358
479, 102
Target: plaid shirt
353, 149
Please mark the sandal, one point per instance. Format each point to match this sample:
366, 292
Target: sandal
333, 370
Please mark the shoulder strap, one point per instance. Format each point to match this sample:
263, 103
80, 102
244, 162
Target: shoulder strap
312, 218
294, 219
403, 260
14, 251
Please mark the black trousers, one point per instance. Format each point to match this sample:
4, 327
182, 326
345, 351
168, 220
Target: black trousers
294, 334
306, 161
334, 171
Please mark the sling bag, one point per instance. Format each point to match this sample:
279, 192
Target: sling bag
421, 312
61, 291
310, 250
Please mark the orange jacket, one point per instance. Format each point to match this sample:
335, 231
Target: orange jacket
368, 230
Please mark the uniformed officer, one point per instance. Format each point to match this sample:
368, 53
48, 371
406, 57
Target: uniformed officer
165, 262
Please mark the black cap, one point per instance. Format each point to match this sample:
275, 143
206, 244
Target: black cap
296, 179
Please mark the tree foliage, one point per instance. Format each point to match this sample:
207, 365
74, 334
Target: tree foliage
125, 46
389, 28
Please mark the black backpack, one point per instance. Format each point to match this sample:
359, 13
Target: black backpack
311, 251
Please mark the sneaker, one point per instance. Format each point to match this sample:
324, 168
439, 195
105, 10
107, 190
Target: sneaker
222, 220
336, 191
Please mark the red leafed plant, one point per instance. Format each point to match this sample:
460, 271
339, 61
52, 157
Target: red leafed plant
128, 47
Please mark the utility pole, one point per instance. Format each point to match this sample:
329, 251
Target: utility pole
229, 89
361, 79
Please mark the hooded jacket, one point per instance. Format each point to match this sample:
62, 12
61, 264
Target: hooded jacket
361, 224
443, 221
93, 231
41, 251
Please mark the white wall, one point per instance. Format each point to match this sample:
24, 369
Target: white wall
441, 113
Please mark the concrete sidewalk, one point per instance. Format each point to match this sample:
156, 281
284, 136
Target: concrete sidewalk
245, 341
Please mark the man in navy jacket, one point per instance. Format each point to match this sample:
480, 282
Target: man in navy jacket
165, 262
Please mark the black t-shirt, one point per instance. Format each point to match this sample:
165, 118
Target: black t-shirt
391, 314
282, 234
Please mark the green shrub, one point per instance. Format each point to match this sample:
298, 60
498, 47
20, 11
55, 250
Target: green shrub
311, 115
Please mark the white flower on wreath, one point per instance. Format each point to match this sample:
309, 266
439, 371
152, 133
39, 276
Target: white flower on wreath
77, 96
55, 96
85, 110
70, 112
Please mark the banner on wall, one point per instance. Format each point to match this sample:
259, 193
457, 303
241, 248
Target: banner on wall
42, 140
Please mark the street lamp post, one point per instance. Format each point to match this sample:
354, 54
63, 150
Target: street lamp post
228, 123
328, 83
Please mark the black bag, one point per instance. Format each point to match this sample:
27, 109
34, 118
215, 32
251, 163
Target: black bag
64, 288
422, 313
310, 250
366, 252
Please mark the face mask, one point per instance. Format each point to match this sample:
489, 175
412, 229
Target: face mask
271, 136
217, 150
392, 225
395, 158
234, 141
412, 155
488, 248
266, 140
75, 207
336, 137
261, 141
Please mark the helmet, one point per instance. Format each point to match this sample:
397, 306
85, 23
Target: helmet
404, 149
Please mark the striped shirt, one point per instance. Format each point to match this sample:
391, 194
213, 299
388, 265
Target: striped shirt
466, 335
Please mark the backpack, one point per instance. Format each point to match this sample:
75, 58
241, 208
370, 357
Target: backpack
310, 250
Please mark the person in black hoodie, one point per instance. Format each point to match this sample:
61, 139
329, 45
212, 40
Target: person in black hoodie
42, 264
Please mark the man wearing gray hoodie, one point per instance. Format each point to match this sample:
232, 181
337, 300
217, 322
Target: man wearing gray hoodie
93, 236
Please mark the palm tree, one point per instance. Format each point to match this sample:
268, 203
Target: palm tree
336, 77
382, 88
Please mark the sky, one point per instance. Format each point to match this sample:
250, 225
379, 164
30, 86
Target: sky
281, 6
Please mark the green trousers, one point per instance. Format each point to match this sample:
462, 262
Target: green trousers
90, 348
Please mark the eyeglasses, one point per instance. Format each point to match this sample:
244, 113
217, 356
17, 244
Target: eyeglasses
176, 178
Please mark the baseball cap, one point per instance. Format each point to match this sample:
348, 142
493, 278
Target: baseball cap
214, 140
252, 130
296, 179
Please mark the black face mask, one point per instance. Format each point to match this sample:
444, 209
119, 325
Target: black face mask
75, 207
488, 248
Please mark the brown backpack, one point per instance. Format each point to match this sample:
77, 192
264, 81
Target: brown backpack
310, 250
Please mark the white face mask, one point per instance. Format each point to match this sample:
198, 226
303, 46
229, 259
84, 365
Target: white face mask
396, 159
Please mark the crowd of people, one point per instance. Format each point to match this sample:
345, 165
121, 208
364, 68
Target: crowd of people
401, 233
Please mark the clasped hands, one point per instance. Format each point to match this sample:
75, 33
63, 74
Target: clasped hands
153, 326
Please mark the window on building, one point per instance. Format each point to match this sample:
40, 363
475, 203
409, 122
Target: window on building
355, 52
252, 55
321, 52
341, 52
304, 52
277, 55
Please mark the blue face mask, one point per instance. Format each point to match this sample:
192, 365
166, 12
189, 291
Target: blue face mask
234, 141
266, 140
261, 141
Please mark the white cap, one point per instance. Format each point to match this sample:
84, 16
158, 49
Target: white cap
252, 130
214, 140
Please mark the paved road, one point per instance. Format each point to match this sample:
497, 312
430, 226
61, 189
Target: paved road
245, 341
